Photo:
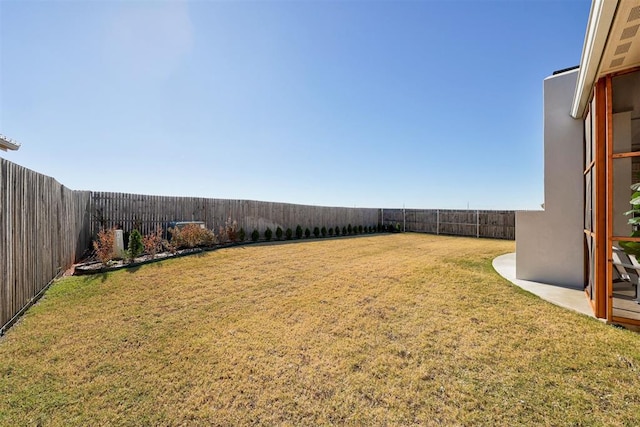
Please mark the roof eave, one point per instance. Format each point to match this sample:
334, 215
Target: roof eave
600, 21
7, 144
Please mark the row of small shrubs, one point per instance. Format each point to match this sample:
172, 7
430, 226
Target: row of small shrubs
194, 236
186, 237
317, 232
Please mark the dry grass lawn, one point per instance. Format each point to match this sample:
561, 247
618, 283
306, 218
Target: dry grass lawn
386, 330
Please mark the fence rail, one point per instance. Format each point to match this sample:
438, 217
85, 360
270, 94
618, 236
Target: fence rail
46, 227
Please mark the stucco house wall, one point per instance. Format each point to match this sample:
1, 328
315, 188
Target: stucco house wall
550, 243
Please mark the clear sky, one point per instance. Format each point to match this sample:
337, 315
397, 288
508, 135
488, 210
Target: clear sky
430, 104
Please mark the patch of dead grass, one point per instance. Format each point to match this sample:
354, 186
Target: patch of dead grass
392, 329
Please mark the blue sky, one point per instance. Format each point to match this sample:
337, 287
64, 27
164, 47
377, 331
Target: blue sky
430, 104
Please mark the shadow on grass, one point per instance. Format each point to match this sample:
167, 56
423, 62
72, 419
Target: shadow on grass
133, 268
314, 239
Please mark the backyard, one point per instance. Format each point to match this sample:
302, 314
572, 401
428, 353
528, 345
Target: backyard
392, 329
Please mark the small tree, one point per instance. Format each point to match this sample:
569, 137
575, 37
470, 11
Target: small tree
279, 233
349, 229
331, 231
316, 232
344, 231
191, 236
104, 245
255, 235
153, 242
307, 233
135, 247
268, 234
338, 231
228, 232
289, 234
360, 229
242, 235
299, 232
323, 231
232, 229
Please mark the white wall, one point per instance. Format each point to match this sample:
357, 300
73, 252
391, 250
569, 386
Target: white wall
549, 243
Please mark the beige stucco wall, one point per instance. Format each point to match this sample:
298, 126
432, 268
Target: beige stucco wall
549, 243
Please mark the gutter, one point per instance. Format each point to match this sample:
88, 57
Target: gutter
8, 143
600, 20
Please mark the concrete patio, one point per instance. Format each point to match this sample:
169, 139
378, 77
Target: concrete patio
571, 298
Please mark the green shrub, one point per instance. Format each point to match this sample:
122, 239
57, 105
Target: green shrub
255, 235
316, 232
338, 231
242, 235
331, 231
279, 233
267, 234
298, 232
349, 229
344, 231
307, 233
360, 229
135, 246
289, 234
323, 231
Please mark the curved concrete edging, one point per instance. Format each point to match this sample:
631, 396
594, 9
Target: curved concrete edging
571, 298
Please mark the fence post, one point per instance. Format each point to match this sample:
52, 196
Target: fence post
477, 223
404, 219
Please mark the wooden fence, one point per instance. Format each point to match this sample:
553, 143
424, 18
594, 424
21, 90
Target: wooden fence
130, 211
475, 223
44, 228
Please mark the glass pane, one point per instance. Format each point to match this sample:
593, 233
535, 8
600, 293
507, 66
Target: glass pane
588, 156
593, 127
588, 202
589, 264
626, 273
626, 112
622, 180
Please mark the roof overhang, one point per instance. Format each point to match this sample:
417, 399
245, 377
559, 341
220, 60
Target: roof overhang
612, 43
8, 144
